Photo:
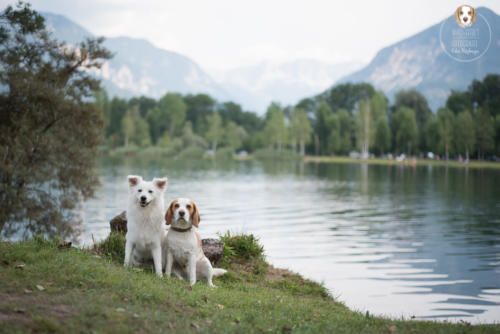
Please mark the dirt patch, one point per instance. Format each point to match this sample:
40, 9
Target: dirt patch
23, 307
276, 274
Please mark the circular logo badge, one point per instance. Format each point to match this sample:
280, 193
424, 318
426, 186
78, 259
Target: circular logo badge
466, 36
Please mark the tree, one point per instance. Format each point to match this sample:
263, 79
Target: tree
485, 132
414, 100
102, 102
143, 103
118, 108
346, 96
459, 102
345, 124
446, 120
275, 129
406, 130
321, 130
378, 104
300, 129
497, 134
333, 142
49, 129
382, 140
465, 135
168, 115
199, 107
214, 133
364, 126
128, 127
233, 135
486, 94
431, 133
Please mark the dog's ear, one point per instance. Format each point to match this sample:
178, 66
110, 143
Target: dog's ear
161, 183
196, 215
457, 15
170, 212
474, 14
133, 180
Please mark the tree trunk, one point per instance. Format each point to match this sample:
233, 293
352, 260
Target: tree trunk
2, 222
214, 146
467, 155
316, 144
302, 147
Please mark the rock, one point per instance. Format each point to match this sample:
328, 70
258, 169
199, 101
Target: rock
119, 223
213, 249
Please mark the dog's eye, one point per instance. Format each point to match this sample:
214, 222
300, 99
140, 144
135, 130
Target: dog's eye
176, 206
140, 190
150, 191
461, 12
188, 206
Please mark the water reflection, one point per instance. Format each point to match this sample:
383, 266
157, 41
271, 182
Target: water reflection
413, 241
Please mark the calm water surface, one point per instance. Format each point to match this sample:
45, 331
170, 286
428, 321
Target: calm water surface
391, 240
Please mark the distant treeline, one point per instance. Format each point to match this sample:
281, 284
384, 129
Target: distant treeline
345, 118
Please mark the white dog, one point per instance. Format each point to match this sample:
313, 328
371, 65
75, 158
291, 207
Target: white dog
465, 15
183, 252
145, 227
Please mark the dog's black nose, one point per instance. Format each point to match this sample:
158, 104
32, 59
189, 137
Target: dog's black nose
181, 213
143, 198
465, 19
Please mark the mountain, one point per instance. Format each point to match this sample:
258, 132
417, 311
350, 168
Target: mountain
258, 85
138, 67
420, 62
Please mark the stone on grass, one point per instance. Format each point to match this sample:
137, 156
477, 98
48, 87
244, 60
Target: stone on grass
119, 223
212, 248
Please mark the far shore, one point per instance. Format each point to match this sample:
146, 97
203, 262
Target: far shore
406, 162
156, 152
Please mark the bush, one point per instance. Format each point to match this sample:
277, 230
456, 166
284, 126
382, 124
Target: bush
113, 246
157, 151
267, 154
192, 152
126, 150
244, 246
225, 153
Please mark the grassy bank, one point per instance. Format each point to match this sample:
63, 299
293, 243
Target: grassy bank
267, 154
409, 162
46, 288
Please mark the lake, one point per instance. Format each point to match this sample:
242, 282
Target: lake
418, 242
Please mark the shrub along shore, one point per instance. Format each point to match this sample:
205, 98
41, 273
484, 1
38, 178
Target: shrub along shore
270, 154
47, 286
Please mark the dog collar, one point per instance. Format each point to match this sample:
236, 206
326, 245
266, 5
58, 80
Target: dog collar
181, 229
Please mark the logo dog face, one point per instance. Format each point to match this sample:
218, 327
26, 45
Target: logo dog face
182, 213
465, 15
146, 192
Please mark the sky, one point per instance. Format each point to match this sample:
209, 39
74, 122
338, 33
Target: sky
224, 34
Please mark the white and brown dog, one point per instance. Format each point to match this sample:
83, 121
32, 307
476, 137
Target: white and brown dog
465, 15
145, 228
183, 254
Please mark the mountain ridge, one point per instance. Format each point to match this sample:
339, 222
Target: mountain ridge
138, 66
419, 62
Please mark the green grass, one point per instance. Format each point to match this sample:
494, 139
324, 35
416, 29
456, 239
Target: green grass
271, 154
419, 162
85, 291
